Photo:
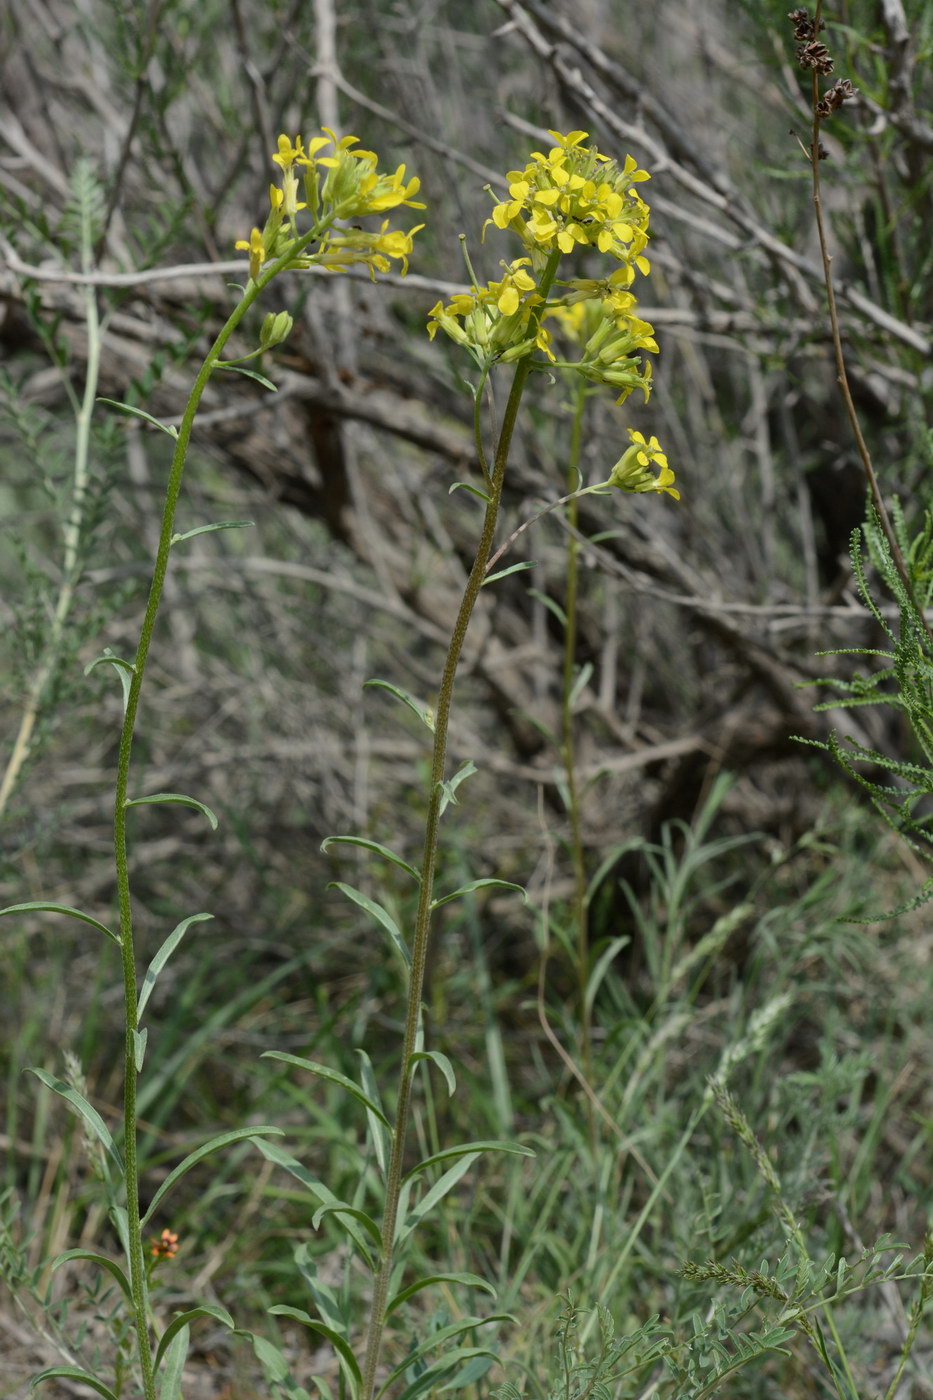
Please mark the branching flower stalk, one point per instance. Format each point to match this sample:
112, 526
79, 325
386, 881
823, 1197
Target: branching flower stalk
420, 940
571, 198
352, 187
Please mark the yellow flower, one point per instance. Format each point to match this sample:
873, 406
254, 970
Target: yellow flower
288, 152
575, 196
257, 252
633, 472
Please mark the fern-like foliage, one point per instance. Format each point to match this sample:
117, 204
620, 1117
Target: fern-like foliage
905, 683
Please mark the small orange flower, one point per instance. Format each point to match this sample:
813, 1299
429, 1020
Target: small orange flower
166, 1246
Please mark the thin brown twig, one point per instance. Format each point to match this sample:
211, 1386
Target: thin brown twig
841, 376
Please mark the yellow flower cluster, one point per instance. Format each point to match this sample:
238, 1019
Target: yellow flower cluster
610, 336
574, 197
494, 320
570, 199
338, 182
632, 472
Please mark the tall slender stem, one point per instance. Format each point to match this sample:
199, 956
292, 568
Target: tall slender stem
574, 813
121, 793
422, 929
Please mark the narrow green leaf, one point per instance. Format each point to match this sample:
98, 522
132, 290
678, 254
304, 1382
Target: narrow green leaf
348, 1362
602, 966
468, 486
425, 714
334, 1076
207, 529
162, 957
371, 846
478, 885
102, 1261
175, 1357
180, 799
139, 1049
329, 1306
473, 1371
580, 684
468, 1281
378, 1123
140, 413
382, 916
449, 786
73, 1373
126, 670
429, 1378
354, 1212
512, 569
550, 604
250, 374
438, 1058
212, 1145
90, 1115
183, 1320
43, 906
473, 1148
320, 1192
435, 1193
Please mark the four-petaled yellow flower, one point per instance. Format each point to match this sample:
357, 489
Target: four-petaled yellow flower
575, 197
633, 472
257, 252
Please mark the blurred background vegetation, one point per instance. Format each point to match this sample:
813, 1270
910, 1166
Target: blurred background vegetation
725, 857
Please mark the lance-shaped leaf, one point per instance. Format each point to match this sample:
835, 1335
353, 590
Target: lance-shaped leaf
382, 917
438, 1376
175, 797
320, 1192
424, 713
437, 1057
468, 1281
435, 1193
348, 1362
87, 1111
448, 786
512, 569
163, 955
173, 1371
183, 1321
379, 1127
140, 413
372, 846
478, 885
468, 486
73, 1373
213, 1144
354, 1213
43, 906
333, 1076
124, 669
102, 1261
209, 529
473, 1148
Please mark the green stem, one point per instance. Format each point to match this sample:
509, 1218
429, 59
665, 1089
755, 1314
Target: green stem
128, 951
422, 930
574, 807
